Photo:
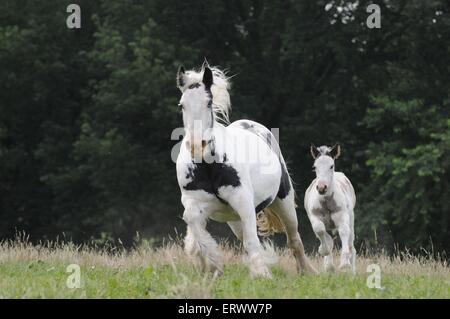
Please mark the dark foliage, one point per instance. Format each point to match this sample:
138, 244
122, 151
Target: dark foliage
86, 115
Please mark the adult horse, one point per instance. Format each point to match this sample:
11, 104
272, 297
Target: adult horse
230, 173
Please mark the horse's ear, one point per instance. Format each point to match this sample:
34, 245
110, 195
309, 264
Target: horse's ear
205, 64
181, 77
335, 151
314, 151
207, 77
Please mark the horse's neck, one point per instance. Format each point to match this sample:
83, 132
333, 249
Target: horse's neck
219, 126
219, 130
217, 138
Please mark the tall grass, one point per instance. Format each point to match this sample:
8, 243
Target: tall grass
39, 270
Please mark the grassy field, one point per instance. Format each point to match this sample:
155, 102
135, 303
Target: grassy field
28, 271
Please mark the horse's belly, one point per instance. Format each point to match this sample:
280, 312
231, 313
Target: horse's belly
210, 205
226, 214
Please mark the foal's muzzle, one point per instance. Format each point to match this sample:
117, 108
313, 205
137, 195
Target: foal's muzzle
321, 188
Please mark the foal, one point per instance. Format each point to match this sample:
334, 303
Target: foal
329, 201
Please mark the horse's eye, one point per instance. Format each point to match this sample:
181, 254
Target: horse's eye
181, 106
332, 166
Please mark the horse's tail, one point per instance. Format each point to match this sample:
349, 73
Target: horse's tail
296, 198
268, 223
291, 181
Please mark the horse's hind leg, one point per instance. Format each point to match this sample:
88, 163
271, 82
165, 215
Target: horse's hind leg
285, 209
352, 242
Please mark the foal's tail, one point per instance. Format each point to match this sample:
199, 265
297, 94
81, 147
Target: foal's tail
268, 223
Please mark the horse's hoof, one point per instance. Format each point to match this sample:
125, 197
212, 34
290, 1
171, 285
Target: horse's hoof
313, 271
330, 268
305, 266
217, 273
309, 269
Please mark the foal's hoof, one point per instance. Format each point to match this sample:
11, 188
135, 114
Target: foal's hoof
263, 272
345, 266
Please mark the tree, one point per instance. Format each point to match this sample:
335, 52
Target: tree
410, 165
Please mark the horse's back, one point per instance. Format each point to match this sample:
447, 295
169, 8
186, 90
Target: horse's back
269, 139
259, 130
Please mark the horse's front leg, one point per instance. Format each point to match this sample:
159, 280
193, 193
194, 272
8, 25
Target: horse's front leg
192, 248
198, 241
242, 202
342, 222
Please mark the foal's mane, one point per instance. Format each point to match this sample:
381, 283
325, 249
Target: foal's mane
221, 103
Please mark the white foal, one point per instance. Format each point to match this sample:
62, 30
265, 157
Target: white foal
228, 174
330, 201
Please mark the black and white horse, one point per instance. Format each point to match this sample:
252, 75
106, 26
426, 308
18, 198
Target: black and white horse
229, 173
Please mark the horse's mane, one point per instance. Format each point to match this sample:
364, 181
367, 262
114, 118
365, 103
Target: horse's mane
221, 103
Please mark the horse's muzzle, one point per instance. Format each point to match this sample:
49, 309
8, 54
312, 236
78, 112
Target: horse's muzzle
196, 150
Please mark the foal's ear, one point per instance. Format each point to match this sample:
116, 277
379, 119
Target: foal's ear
314, 151
207, 77
335, 151
181, 77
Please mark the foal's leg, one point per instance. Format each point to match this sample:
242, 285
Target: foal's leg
342, 221
285, 209
198, 238
353, 255
326, 242
351, 241
242, 202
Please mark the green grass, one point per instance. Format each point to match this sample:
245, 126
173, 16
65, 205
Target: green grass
27, 271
